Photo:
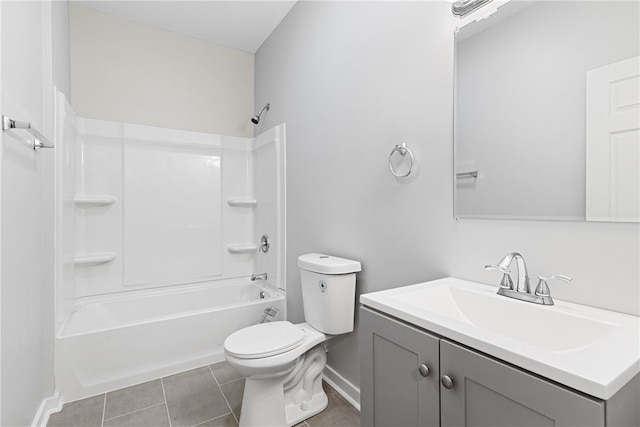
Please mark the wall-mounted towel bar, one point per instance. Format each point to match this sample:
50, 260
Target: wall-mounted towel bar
39, 140
470, 174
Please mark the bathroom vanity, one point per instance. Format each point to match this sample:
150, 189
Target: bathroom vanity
447, 353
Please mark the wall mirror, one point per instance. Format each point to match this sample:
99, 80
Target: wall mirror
547, 112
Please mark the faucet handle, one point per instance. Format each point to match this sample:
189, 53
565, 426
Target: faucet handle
542, 290
506, 281
497, 267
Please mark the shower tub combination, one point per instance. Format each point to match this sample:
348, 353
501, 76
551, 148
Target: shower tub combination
159, 237
107, 343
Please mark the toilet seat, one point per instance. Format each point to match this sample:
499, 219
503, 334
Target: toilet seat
264, 340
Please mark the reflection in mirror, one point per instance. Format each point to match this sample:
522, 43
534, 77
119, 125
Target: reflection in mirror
547, 112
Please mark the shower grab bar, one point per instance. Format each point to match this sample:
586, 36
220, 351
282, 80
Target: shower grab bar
39, 140
470, 174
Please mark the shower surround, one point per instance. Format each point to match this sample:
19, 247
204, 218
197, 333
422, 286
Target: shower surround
158, 233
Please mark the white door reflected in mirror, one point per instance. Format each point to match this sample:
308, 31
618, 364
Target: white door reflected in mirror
613, 142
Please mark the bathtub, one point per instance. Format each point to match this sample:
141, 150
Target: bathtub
110, 342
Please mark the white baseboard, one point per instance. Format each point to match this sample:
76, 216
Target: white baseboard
47, 407
347, 390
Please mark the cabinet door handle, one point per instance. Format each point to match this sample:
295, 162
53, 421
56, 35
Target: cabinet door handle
447, 382
424, 370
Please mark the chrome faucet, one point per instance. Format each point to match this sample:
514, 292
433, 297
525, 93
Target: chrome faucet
522, 290
262, 276
503, 266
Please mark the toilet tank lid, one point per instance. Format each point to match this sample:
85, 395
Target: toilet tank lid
327, 264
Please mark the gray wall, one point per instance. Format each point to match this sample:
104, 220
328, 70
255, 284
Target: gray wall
29, 33
351, 80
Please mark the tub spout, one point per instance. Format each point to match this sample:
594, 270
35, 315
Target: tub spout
268, 315
255, 277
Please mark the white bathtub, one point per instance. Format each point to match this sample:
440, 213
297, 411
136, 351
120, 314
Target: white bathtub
111, 342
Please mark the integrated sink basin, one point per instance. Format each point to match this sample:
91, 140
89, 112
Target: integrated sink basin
591, 350
552, 330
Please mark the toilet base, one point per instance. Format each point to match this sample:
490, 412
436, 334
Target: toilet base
287, 399
317, 404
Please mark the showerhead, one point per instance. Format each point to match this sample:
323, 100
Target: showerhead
256, 119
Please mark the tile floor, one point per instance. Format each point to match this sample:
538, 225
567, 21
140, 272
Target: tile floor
205, 397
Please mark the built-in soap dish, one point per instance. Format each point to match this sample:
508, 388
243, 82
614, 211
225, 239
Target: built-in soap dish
94, 259
242, 202
94, 201
242, 249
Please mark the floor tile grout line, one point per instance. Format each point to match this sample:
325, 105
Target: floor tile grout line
214, 375
227, 382
166, 404
230, 408
231, 381
133, 412
224, 396
104, 409
213, 419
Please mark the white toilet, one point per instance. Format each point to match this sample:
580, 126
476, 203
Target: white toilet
283, 362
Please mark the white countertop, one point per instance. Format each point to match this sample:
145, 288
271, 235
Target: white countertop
591, 350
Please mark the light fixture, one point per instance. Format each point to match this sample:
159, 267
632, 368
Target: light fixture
462, 8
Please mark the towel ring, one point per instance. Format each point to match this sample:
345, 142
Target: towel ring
403, 150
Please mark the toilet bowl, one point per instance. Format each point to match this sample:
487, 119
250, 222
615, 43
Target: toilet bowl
270, 348
278, 380
283, 362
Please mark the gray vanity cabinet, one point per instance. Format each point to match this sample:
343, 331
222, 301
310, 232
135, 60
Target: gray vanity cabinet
484, 391
395, 388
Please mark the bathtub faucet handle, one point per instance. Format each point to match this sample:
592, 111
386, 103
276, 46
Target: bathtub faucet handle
255, 277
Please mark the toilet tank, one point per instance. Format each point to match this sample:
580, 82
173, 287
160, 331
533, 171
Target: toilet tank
328, 292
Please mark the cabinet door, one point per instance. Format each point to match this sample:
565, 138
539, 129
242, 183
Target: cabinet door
393, 391
486, 392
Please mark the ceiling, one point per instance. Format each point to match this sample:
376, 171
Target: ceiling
238, 24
